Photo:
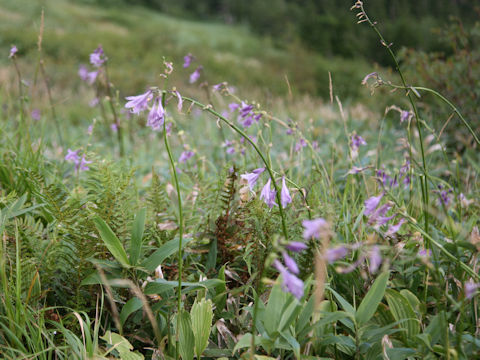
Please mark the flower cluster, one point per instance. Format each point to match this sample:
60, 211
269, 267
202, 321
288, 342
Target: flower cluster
376, 214
268, 195
80, 163
98, 58
246, 114
13, 51
355, 142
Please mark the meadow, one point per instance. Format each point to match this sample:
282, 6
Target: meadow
172, 189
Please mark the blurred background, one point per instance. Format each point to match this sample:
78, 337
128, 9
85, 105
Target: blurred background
262, 48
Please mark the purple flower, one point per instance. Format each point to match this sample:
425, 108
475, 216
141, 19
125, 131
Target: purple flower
97, 58
218, 87
156, 116
36, 115
233, 106
375, 259
230, 150
138, 103
252, 177
296, 246
424, 253
114, 127
83, 72
195, 75
289, 131
336, 253
357, 141
168, 67
285, 197
247, 122
90, 130
82, 166
393, 229
187, 60
405, 115
13, 51
184, 156
314, 228
378, 218
72, 156
268, 195
300, 144
290, 262
290, 283
245, 109
315, 145
371, 204
91, 77
470, 289
444, 196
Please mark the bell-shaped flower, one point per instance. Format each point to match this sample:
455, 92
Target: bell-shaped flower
156, 116
285, 197
268, 195
138, 103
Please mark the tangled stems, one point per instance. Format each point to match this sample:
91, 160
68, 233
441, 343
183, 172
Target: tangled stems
180, 233
259, 152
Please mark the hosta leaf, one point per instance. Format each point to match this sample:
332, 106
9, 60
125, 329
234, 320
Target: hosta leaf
201, 316
370, 303
111, 241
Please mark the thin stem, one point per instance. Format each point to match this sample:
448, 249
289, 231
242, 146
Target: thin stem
414, 106
50, 101
180, 233
114, 112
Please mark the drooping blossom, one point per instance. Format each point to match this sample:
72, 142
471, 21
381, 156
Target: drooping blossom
138, 103
290, 283
233, 106
296, 246
369, 76
336, 253
314, 228
72, 156
290, 262
285, 197
185, 156
97, 58
195, 75
13, 51
168, 67
156, 116
470, 288
405, 115
393, 229
82, 165
252, 177
180, 101
355, 142
268, 195
218, 87
300, 144
378, 217
371, 204
36, 115
83, 72
375, 259
187, 60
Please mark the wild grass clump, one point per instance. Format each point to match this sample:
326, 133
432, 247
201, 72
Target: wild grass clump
166, 225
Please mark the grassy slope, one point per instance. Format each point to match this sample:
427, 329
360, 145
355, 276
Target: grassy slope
137, 39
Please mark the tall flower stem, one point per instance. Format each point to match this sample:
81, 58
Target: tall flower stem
180, 232
114, 112
364, 17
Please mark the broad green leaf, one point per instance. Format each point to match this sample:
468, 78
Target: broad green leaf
370, 303
246, 341
137, 236
122, 345
273, 310
289, 314
186, 337
111, 241
332, 317
403, 311
201, 315
129, 308
163, 252
305, 315
220, 298
343, 303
